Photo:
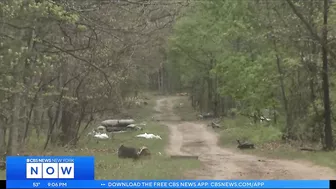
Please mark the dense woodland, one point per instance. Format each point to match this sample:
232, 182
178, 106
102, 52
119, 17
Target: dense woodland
63, 63
247, 56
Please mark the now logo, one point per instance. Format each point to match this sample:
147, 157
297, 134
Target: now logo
50, 170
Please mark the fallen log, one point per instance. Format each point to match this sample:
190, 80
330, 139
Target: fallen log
115, 122
126, 121
245, 145
127, 128
183, 157
113, 129
308, 149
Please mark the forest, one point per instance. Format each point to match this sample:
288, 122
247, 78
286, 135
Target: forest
63, 63
66, 63
245, 57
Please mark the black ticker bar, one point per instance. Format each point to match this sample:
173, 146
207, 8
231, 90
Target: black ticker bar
3, 183
332, 184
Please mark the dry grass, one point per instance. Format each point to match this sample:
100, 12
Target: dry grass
109, 166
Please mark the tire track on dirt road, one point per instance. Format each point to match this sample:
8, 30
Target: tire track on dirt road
194, 138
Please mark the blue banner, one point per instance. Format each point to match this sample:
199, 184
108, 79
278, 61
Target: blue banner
168, 184
49, 168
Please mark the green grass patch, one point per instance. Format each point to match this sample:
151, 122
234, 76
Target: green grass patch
3, 175
267, 139
109, 166
241, 128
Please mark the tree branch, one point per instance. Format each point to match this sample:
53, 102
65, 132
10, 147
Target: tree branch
83, 60
310, 28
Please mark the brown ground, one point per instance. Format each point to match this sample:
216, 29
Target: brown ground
193, 138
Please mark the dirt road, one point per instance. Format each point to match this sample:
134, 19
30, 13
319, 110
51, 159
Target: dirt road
192, 138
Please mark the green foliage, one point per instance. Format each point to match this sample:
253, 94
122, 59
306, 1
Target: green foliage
219, 39
259, 53
25, 28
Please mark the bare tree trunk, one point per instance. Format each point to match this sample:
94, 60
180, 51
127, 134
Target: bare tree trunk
38, 117
210, 95
284, 98
24, 130
325, 77
159, 80
23, 119
217, 100
58, 125
13, 145
274, 115
52, 115
289, 120
2, 139
18, 101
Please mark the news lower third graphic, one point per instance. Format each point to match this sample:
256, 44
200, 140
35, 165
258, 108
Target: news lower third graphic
50, 167
269, 184
78, 172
